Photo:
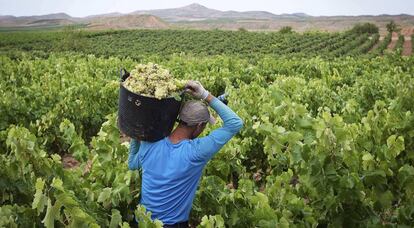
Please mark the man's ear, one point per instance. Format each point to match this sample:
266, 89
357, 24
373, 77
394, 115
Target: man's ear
202, 126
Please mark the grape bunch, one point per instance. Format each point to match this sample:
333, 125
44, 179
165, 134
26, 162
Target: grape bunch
151, 80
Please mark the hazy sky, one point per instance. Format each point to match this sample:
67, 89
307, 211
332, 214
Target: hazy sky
79, 8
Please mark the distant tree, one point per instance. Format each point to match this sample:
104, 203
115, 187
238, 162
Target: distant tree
392, 27
286, 29
241, 29
365, 28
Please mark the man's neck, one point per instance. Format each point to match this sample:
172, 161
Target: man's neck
178, 135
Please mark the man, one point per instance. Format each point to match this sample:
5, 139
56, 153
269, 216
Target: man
172, 167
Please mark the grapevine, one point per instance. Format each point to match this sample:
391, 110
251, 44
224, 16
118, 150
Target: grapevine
327, 142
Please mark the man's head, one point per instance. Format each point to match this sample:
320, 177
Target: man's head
194, 116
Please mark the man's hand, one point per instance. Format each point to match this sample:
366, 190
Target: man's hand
196, 89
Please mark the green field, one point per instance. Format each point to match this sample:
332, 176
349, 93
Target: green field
328, 137
41, 28
138, 44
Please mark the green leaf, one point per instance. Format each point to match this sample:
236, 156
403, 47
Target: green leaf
283, 223
144, 218
296, 154
125, 225
406, 176
58, 184
40, 199
368, 162
105, 195
52, 213
395, 145
386, 198
212, 221
116, 219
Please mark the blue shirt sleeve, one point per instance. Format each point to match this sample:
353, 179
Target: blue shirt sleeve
207, 146
133, 158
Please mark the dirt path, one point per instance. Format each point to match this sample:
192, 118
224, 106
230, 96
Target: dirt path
377, 44
407, 47
393, 42
407, 31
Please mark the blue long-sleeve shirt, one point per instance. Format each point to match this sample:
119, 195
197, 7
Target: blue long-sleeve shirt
171, 172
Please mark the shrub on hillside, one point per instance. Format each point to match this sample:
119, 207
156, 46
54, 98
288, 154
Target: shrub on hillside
365, 28
286, 29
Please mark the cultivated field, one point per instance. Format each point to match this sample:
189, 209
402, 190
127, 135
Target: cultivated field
328, 137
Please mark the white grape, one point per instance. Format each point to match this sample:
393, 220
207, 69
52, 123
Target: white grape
151, 80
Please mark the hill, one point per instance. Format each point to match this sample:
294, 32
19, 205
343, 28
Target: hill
309, 23
127, 22
196, 16
197, 12
104, 21
43, 20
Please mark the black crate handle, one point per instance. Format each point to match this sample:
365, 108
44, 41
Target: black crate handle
123, 74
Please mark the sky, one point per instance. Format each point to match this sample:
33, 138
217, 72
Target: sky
81, 8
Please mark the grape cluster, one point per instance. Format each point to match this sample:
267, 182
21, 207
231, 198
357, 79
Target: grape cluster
151, 80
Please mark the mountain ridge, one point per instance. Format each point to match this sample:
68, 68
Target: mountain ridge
198, 11
197, 16
192, 8
127, 22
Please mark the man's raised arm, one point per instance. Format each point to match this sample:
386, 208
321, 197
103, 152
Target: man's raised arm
209, 145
